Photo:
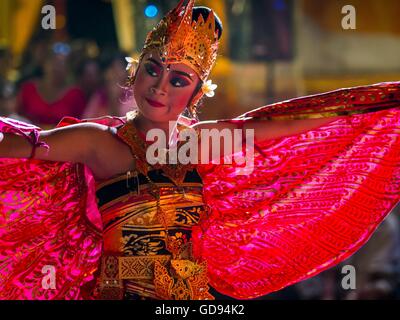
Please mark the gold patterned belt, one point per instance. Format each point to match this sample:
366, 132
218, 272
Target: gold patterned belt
116, 269
189, 282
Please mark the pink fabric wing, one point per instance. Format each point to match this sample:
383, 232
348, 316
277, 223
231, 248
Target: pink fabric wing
312, 199
49, 222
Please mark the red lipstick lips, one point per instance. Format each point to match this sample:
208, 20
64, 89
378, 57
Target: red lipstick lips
155, 104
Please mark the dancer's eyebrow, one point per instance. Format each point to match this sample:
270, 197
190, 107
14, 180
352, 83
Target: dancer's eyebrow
183, 74
155, 62
176, 71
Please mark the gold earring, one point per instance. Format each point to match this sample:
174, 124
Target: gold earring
130, 81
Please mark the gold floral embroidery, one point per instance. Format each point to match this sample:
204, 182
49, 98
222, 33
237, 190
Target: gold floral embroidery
188, 282
140, 267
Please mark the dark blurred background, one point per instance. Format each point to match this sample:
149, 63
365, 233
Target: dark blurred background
271, 50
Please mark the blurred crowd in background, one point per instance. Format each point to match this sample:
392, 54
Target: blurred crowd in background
57, 80
79, 70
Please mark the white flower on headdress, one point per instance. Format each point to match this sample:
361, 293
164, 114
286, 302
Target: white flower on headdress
131, 63
208, 88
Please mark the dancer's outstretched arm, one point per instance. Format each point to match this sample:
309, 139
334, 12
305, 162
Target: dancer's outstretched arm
264, 129
74, 143
272, 129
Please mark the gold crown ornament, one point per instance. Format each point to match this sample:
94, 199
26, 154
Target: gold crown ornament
178, 39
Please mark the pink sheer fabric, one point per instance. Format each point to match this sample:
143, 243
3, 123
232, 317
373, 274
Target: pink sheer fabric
310, 202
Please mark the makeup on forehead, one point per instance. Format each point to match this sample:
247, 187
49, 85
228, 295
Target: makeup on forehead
168, 67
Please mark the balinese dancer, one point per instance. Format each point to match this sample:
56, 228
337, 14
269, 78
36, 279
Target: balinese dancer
83, 202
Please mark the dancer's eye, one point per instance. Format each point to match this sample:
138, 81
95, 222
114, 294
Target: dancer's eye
151, 70
179, 82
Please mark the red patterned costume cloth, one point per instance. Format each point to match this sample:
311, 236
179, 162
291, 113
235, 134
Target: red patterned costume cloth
311, 201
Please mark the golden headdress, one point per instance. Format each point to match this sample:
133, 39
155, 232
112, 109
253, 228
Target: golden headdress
178, 39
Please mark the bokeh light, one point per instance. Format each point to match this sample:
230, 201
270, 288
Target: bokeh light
151, 11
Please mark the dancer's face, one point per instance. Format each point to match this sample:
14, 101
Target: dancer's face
162, 92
